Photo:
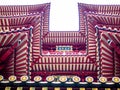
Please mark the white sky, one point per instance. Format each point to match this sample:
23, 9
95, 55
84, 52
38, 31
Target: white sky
63, 13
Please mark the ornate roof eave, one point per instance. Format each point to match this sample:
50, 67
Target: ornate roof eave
105, 9
12, 22
66, 36
104, 19
11, 11
23, 8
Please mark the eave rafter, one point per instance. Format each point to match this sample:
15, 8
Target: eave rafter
38, 16
101, 19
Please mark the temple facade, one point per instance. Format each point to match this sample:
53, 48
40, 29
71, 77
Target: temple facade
34, 58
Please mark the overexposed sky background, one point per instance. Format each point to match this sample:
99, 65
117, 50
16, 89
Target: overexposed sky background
63, 13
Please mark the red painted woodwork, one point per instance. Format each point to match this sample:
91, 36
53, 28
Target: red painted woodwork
116, 48
8, 52
92, 54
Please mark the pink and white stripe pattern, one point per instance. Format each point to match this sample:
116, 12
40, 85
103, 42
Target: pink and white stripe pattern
64, 38
64, 63
96, 9
17, 61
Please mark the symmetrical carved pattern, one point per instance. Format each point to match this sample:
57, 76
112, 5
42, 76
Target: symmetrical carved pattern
32, 50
